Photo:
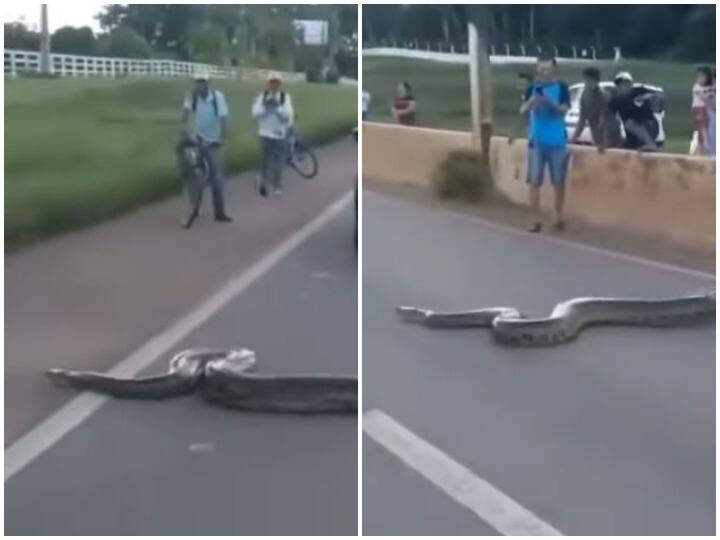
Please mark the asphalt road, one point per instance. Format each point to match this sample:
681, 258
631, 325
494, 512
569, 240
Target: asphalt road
90, 298
183, 467
613, 434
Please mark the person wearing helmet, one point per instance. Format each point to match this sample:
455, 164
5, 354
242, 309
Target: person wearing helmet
273, 112
205, 114
632, 104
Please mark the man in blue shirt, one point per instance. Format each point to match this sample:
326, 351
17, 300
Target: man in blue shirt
208, 110
547, 101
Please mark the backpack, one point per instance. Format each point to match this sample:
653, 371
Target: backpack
282, 96
214, 101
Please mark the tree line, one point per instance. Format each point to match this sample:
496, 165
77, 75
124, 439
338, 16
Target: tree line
679, 31
262, 35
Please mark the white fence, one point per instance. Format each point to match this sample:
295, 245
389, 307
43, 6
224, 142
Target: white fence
70, 65
464, 58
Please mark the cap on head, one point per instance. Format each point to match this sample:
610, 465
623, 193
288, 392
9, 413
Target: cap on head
202, 75
623, 76
274, 76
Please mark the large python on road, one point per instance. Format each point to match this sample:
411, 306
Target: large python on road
224, 377
568, 318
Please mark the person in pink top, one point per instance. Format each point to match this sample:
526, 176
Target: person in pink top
703, 107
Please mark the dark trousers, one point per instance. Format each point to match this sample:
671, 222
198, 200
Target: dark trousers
274, 154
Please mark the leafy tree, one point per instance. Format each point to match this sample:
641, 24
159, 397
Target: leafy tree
18, 36
71, 40
123, 42
257, 34
693, 43
683, 31
208, 44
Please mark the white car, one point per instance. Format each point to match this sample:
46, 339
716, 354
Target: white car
573, 115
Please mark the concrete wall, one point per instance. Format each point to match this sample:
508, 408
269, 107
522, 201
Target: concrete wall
667, 195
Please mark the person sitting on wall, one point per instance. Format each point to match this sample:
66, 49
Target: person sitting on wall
633, 105
595, 113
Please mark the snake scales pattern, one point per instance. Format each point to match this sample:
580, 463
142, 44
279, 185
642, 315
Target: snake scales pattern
225, 377
568, 318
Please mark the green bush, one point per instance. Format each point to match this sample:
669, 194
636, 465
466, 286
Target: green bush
462, 175
123, 42
332, 77
71, 40
313, 75
208, 44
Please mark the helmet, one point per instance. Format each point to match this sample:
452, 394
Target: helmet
623, 76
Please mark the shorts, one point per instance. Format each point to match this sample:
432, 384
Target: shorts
556, 158
700, 118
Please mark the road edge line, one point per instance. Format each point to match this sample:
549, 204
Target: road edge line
48, 432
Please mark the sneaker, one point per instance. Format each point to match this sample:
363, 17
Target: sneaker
277, 192
535, 227
224, 218
559, 225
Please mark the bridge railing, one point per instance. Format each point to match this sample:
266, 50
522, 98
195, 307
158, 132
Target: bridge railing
71, 65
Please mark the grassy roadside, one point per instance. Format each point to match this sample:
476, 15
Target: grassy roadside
81, 150
443, 95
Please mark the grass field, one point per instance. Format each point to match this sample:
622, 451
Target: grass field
443, 91
80, 150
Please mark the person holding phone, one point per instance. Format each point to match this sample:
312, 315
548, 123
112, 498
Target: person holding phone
274, 114
546, 102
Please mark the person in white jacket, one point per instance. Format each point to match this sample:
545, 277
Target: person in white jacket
273, 112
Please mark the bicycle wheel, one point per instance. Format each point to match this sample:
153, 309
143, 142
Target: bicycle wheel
303, 160
194, 187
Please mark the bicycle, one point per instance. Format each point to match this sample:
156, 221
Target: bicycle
196, 175
300, 157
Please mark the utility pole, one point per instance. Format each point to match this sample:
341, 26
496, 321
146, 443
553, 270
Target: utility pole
480, 77
532, 22
44, 41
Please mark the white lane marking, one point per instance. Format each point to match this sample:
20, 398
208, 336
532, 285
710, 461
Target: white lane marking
202, 447
65, 419
491, 505
570, 243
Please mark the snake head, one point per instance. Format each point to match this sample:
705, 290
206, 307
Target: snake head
412, 314
59, 377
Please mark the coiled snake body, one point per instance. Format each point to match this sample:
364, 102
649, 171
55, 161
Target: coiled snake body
224, 377
568, 318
